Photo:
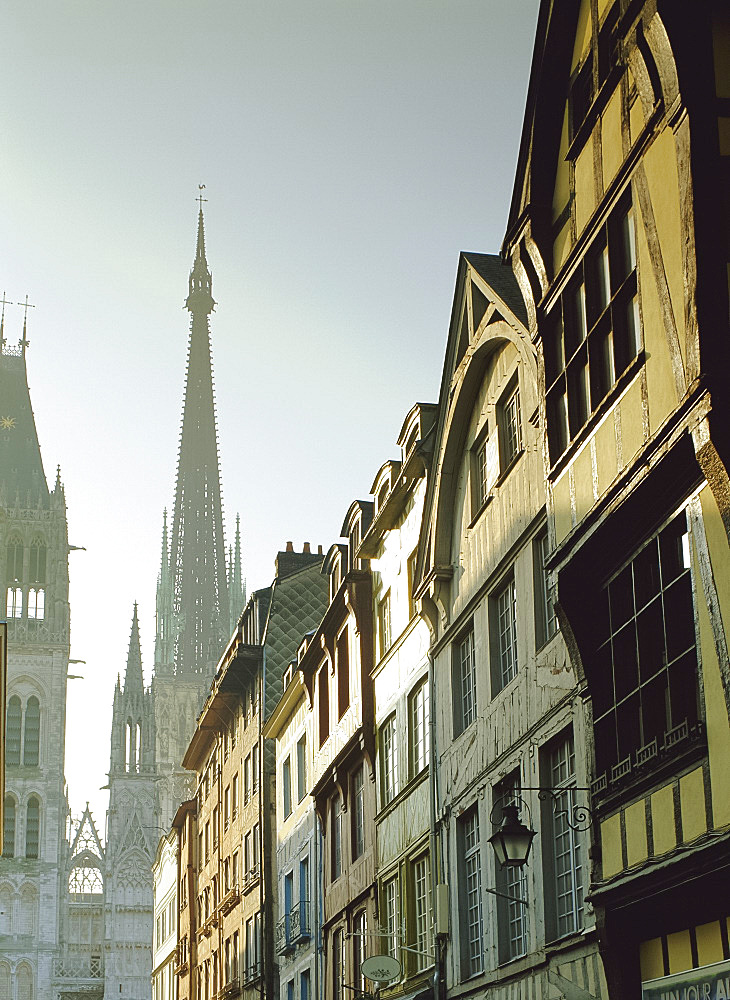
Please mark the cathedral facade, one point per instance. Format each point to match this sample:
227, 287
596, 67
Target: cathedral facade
34, 575
76, 914
200, 596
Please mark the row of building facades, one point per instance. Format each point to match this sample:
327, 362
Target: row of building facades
531, 606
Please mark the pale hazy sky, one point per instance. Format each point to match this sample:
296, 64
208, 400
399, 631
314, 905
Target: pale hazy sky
350, 149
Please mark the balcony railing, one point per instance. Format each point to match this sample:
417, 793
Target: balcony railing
645, 759
282, 935
299, 928
230, 899
250, 877
79, 968
251, 973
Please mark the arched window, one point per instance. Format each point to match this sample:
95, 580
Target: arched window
14, 564
129, 760
36, 603
28, 911
14, 603
6, 911
25, 983
37, 567
12, 736
32, 827
5, 993
32, 732
9, 827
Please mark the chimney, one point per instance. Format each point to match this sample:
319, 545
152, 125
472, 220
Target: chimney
289, 561
289, 547
319, 550
305, 547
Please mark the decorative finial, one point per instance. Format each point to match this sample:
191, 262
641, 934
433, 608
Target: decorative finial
26, 305
200, 199
5, 302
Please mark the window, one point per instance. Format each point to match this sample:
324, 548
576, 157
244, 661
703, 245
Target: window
471, 894
343, 673
510, 426
201, 853
36, 603
234, 957
503, 608
388, 760
511, 914
593, 332
288, 903
216, 824
411, 567
336, 827
422, 912
290, 990
464, 682
384, 624
301, 768
546, 623
14, 726
14, 561
247, 855
247, 779
255, 768
255, 847
286, 786
226, 807
564, 863
304, 890
234, 869
234, 797
32, 827
304, 985
9, 827
390, 917
14, 603
359, 939
419, 719
358, 813
355, 539
485, 469
643, 678
593, 73
324, 704
207, 842
338, 966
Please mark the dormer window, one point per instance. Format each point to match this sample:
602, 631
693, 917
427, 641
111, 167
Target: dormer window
335, 577
383, 495
354, 544
411, 442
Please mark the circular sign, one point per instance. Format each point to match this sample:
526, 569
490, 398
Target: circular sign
381, 968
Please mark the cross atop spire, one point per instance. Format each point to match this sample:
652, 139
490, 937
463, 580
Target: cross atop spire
200, 199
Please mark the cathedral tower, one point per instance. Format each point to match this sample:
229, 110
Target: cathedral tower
198, 596
132, 833
34, 590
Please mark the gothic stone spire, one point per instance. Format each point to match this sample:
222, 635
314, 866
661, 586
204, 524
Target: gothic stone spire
200, 610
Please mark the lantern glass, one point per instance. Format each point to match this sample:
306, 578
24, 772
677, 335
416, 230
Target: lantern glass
513, 840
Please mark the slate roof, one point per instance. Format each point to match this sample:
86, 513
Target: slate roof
21, 466
501, 278
298, 603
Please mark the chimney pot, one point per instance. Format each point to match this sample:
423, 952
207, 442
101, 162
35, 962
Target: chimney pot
289, 547
305, 547
319, 550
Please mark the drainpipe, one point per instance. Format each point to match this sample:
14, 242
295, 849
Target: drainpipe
437, 873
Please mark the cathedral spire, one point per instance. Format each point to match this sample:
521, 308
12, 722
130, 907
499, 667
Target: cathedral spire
133, 680
199, 585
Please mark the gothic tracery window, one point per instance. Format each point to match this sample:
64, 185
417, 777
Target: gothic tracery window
37, 564
9, 827
12, 733
31, 740
85, 878
32, 827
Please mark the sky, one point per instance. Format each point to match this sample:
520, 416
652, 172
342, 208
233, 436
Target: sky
350, 150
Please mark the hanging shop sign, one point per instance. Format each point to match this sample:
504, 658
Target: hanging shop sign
711, 982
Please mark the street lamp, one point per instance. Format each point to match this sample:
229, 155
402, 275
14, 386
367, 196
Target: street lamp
513, 840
